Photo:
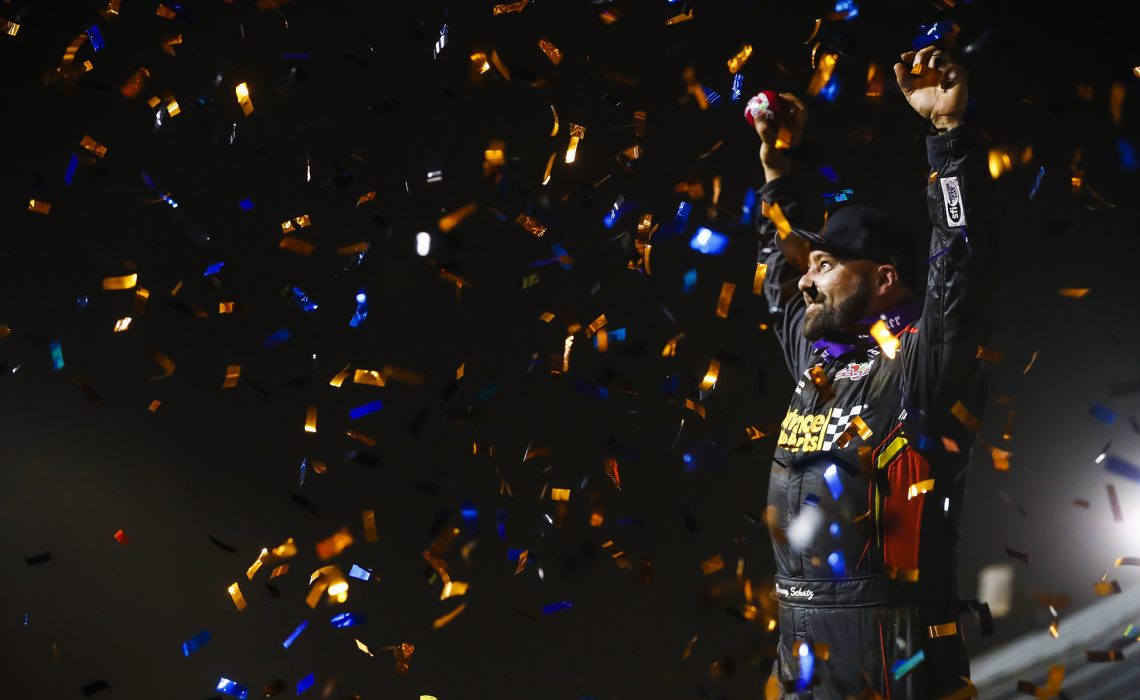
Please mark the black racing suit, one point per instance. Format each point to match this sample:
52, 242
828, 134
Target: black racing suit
868, 478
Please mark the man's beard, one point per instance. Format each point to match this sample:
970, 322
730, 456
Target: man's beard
828, 319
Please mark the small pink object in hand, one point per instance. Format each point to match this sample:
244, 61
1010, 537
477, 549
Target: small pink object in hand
765, 105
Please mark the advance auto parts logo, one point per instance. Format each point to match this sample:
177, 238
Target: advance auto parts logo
795, 592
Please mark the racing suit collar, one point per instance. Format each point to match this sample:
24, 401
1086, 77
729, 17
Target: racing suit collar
840, 344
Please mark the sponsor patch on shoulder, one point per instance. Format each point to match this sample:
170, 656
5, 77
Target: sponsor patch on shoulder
855, 370
952, 200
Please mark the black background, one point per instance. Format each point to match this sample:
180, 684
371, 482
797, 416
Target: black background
372, 110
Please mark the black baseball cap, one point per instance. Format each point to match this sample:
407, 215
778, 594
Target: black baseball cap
861, 232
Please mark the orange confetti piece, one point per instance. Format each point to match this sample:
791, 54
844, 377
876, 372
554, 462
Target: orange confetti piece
233, 372
369, 517
776, 214
758, 278
677, 19
577, 133
243, 98
919, 488
727, 289
366, 197
874, 82
737, 62
1073, 293
154, 405
296, 245
440, 622
504, 8
311, 420
887, 341
9, 27
122, 324
93, 146
124, 282
370, 377
560, 494
454, 218
823, 70
238, 598
39, 206
614, 475
121, 537
959, 411
712, 565
339, 377
552, 52
711, 375
361, 437
530, 225
334, 544
163, 362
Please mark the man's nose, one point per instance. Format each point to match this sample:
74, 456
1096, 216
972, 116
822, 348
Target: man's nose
806, 282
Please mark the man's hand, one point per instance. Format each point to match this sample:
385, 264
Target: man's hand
938, 90
778, 135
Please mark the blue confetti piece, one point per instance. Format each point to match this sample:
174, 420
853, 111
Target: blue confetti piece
360, 572
276, 338
56, 355
709, 242
26, 619
681, 218
903, 666
811, 500
689, 281
847, 8
96, 37
620, 207
347, 620
711, 95
296, 633
1104, 414
829, 92
807, 667
618, 334
487, 392
1126, 153
196, 642
838, 564
831, 476
302, 300
294, 56
1118, 466
928, 34
231, 688
69, 174
304, 470
361, 312
246, 204
214, 269
829, 174
514, 553
749, 205
834, 529
555, 607
594, 391
833, 198
470, 516
1037, 183
563, 257
501, 523
364, 410
737, 85
169, 200
306, 683
82, 302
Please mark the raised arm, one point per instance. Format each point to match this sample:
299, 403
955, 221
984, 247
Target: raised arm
941, 358
784, 256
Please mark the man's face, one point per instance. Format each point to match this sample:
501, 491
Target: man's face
837, 293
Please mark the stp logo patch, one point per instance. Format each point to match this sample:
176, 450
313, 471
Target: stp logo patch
855, 370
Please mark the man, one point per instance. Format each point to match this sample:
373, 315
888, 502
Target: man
866, 491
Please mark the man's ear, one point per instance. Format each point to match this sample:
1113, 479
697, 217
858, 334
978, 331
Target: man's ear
887, 279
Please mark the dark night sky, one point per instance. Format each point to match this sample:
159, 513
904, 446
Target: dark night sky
365, 102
